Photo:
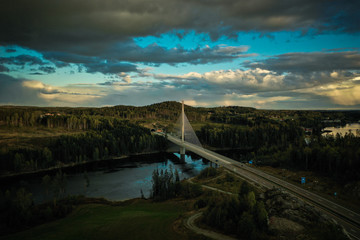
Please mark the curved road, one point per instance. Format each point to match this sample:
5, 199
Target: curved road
190, 224
349, 219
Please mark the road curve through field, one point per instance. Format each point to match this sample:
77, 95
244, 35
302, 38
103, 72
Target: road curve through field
190, 224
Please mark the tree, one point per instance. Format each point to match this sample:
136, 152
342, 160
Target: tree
261, 215
244, 189
46, 182
246, 226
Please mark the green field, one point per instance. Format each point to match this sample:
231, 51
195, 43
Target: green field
139, 219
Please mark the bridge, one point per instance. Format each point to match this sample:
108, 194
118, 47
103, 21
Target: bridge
349, 219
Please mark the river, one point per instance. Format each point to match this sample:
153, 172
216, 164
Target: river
117, 180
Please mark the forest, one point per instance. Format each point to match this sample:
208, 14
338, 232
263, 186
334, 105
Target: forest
269, 137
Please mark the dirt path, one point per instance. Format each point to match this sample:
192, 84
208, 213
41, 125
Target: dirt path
190, 224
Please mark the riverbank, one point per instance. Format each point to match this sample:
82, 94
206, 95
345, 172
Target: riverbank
62, 166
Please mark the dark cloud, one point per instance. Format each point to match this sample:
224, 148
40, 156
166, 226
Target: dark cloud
21, 60
3, 69
154, 54
10, 50
310, 62
47, 69
157, 54
90, 26
90, 64
43, 70
13, 92
110, 67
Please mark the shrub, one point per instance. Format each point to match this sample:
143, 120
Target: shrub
207, 172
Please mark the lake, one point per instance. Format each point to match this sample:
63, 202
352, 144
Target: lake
118, 179
342, 130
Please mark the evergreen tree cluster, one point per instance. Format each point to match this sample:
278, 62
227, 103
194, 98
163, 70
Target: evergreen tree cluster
113, 137
244, 216
165, 184
266, 134
337, 157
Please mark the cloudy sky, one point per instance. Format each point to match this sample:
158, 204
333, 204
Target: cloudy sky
269, 54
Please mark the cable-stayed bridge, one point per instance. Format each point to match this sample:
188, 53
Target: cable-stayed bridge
185, 137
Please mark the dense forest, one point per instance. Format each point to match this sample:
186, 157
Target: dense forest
105, 138
272, 137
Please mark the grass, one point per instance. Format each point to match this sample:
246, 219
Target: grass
223, 180
30, 136
140, 219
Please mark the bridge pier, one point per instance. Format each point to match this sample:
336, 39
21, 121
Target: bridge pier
182, 154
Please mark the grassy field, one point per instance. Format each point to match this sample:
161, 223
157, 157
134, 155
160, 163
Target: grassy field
140, 219
224, 180
28, 136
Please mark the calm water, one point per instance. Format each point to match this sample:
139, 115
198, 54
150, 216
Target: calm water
342, 130
120, 180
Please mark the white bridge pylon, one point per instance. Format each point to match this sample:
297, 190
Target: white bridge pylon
184, 131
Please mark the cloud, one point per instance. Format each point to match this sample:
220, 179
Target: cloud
47, 69
21, 60
10, 50
156, 54
346, 93
17, 91
246, 81
125, 77
13, 92
27, 92
109, 67
3, 68
310, 62
91, 26
127, 52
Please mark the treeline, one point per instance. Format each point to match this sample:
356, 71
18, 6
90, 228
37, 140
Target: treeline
112, 138
87, 118
337, 157
263, 135
284, 144
83, 118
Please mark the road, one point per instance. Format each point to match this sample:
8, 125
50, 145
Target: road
190, 224
349, 219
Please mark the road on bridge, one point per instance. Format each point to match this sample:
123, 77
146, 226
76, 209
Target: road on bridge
349, 219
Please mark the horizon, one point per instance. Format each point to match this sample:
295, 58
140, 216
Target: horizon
179, 102
268, 55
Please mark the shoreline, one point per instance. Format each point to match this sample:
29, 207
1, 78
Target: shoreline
74, 164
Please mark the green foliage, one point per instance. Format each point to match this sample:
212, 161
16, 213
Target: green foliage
250, 200
111, 138
261, 215
246, 227
19, 212
207, 172
190, 190
245, 188
244, 215
165, 184
200, 203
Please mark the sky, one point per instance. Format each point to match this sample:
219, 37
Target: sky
267, 54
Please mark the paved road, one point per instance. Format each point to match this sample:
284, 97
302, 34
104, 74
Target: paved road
349, 219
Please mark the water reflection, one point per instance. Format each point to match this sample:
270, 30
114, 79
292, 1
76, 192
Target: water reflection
353, 127
121, 180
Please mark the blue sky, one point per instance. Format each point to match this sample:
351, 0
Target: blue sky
268, 54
